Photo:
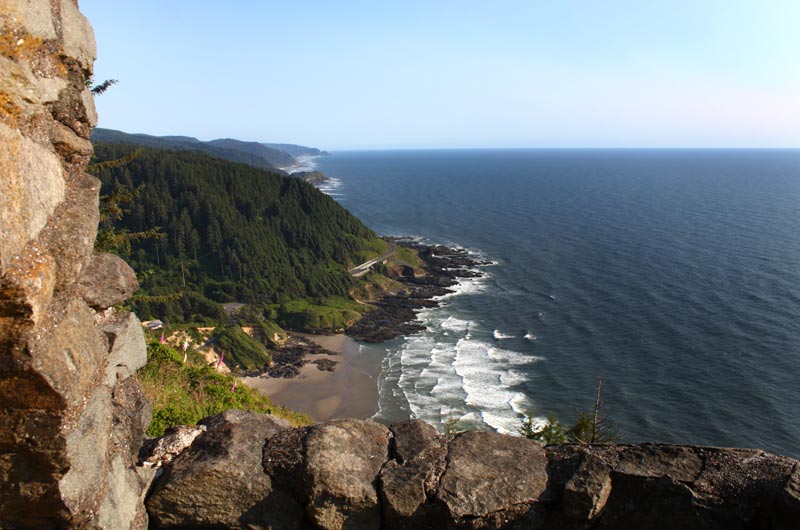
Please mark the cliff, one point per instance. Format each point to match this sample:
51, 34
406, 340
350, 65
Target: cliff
72, 418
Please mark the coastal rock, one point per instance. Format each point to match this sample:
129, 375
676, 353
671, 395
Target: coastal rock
395, 312
586, 493
284, 460
787, 509
162, 450
107, 281
219, 480
82, 487
71, 355
131, 415
123, 503
664, 486
26, 204
128, 347
71, 232
409, 481
411, 439
492, 474
343, 459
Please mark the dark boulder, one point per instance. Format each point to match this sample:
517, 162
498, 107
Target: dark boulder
219, 481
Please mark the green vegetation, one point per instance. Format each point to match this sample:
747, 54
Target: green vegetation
251, 153
271, 334
323, 313
406, 256
183, 394
231, 232
589, 428
241, 349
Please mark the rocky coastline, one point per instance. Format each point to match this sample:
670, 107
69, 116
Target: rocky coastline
396, 313
288, 359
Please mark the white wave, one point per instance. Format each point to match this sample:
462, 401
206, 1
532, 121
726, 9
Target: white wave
332, 187
443, 373
498, 335
456, 324
302, 163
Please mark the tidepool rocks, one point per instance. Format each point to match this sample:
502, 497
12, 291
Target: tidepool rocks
250, 471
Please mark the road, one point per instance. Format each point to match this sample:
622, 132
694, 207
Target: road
362, 269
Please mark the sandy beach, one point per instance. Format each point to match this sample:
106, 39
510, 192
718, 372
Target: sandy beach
350, 391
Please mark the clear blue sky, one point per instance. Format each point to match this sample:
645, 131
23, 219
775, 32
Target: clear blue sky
460, 73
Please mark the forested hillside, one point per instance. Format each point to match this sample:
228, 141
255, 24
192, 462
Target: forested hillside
230, 232
251, 153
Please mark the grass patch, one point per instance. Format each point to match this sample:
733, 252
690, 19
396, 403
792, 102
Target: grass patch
375, 248
272, 334
183, 394
241, 349
331, 313
406, 256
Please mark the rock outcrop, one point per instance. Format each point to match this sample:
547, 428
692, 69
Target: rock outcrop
71, 421
250, 471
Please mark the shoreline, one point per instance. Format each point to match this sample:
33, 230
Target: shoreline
348, 386
350, 390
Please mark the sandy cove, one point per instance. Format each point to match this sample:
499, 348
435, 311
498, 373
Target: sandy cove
349, 391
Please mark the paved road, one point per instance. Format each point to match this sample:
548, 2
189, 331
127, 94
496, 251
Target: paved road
362, 269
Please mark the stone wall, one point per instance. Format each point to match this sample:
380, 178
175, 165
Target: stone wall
248, 470
71, 421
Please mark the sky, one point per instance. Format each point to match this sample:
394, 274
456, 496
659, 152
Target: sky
454, 74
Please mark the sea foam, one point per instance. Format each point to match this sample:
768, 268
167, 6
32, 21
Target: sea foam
448, 372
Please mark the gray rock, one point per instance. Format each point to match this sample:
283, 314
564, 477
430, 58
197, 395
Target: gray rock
659, 460
72, 229
131, 415
586, 493
218, 481
343, 459
163, 450
107, 281
68, 144
412, 438
489, 473
123, 504
34, 16
26, 203
403, 491
78, 36
128, 347
82, 486
408, 482
71, 355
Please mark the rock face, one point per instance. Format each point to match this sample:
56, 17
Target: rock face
66, 438
220, 481
358, 474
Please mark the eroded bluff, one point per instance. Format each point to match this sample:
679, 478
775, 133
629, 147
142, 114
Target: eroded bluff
247, 470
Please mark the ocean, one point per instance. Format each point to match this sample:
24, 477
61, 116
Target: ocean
673, 275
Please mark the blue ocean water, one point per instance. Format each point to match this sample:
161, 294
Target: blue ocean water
672, 274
